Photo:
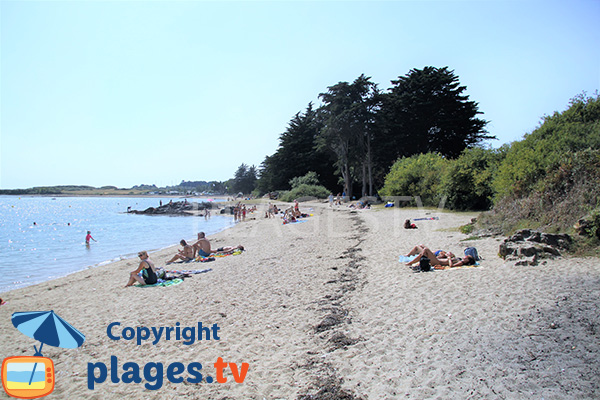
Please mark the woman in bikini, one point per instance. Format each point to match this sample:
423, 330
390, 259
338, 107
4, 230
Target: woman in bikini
441, 261
145, 274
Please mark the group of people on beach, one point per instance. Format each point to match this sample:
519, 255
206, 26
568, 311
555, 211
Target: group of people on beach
240, 210
147, 273
271, 211
337, 200
439, 259
292, 213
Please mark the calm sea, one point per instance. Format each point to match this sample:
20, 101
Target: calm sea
43, 238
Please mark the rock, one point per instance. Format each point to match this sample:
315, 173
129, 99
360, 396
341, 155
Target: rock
527, 246
177, 208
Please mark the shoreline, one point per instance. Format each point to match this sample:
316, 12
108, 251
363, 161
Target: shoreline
18, 273
325, 305
119, 195
118, 258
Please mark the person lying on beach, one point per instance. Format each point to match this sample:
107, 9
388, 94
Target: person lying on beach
442, 261
229, 249
186, 254
438, 253
145, 274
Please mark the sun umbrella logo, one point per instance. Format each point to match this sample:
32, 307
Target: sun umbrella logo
31, 377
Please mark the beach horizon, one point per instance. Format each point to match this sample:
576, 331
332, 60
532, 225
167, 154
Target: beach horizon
325, 306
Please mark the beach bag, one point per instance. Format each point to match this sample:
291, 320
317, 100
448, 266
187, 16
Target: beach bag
472, 251
424, 264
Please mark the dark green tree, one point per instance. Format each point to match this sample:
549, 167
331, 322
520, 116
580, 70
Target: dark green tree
428, 111
297, 155
347, 113
245, 178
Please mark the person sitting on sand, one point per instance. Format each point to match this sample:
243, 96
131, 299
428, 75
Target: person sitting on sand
145, 274
438, 262
202, 247
409, 225
186, 254
289, 215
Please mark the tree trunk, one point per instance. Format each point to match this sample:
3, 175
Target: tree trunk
370, 167
347, 180
364, 178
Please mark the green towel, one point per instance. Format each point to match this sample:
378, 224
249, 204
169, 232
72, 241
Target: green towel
172, 282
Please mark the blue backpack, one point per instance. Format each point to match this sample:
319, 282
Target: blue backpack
472, 251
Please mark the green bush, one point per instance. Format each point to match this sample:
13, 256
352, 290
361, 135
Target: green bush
528, 161
304, 190
592, 228
569, 192
467, 180
311, 178
419, 175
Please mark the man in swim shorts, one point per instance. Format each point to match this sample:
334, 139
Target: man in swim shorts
202, 246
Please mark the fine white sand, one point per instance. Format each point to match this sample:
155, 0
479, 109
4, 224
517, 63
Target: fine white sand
323, 309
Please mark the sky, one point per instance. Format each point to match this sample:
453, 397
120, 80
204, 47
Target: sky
124, 93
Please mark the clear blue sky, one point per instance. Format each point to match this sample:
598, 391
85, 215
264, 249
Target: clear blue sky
129, 92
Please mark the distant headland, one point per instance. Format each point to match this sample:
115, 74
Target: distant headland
191, 188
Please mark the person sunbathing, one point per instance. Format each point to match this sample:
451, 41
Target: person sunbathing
229, 249
443, 260
186, 254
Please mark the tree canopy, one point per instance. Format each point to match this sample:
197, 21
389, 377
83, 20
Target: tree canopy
358, 132
245, 178
297, 155
427, 111
347, 113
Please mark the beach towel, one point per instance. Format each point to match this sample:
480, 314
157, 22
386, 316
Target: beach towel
162, 283
203, 259
406, 259
190, 271
426, 219
466, 266
298, 221
235, 253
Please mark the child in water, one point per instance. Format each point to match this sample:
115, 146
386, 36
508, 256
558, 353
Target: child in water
88, 237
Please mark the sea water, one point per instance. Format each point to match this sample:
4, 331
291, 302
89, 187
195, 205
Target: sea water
43, 238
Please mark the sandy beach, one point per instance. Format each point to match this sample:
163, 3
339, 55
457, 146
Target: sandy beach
323, 310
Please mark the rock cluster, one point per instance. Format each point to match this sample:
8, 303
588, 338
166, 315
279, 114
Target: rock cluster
176, 208
527, 246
